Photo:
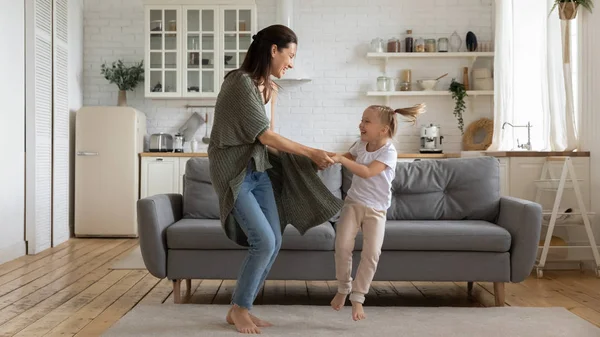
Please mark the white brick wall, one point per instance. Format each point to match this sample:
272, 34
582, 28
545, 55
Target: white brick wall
334, 36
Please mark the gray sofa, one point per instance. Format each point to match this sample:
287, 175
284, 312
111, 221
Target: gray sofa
447, 222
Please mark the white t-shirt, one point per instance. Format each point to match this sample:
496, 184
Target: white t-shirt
374, 192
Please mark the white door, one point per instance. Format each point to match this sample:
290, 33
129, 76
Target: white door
12, 133
159, 175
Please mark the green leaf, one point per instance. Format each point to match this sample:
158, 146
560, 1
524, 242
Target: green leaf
126, 78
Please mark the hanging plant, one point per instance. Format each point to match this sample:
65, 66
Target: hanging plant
458, 94
567, 9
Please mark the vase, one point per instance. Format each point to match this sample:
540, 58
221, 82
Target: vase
567, 10
122, 101
455, 42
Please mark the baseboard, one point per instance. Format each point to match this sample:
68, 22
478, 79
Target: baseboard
12, 252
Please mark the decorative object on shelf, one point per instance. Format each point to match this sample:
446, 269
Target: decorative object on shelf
473, 140
419, 45
466, 78
455, 42
458, 95
377, 45
409, 42
471, 41
393, 45
427, 85
383, 83
482, 79
442, 45
126, 78
567, 9
430, 46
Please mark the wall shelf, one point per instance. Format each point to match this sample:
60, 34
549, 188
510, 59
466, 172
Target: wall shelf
472, 56
430, 55
473, 93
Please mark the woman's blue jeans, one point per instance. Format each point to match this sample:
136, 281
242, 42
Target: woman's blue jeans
256, 212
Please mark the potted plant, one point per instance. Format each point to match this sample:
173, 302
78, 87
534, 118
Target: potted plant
126, 78
458, 94
567, 9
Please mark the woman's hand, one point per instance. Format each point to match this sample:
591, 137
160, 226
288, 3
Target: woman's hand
321, 158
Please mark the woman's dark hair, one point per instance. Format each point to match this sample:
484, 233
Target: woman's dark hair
258, 58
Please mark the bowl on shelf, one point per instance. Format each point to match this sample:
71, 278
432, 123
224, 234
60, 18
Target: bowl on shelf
427, 85
228, 58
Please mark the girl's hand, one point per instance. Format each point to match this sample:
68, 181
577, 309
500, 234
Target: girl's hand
321, 158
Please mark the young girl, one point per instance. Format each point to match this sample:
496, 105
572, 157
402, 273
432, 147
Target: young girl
372, 160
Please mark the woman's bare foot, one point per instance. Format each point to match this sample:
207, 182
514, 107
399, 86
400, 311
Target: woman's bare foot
259, 322
338, 301
358, 313
240, 317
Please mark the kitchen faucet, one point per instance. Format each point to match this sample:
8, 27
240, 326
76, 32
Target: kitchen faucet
528, 126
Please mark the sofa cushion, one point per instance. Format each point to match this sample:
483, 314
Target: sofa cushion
200, 200
321, 237
443, 235
446, 189
332, 178
208, 234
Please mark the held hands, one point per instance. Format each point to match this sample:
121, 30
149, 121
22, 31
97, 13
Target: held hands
322, 159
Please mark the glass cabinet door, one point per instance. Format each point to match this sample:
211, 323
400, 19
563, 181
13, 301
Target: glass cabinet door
201, 31
238, 28
162, 70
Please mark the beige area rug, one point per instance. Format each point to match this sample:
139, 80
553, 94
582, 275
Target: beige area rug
133, 260
321, 321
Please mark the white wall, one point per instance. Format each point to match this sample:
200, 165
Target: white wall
12, 129
333, 40
590, 86
75, 85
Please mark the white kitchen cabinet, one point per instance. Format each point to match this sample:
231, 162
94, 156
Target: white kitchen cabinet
189, 49
159, 175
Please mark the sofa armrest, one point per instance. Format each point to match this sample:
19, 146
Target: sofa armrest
523, 220
155, 214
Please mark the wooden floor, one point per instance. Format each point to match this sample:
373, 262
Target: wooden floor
69, 290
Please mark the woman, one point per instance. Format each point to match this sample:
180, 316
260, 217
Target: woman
239, 160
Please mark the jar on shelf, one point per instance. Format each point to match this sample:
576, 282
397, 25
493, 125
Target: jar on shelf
405, 86
442, 45
393, 46
420, 45
430, 46
383, 83
409, 42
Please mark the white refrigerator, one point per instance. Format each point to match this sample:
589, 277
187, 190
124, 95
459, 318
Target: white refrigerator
108, 141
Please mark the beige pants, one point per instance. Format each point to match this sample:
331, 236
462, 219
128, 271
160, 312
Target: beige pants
354, 217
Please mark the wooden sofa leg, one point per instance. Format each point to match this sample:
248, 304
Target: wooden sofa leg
177, 291
470, 288
499, 293
188, 287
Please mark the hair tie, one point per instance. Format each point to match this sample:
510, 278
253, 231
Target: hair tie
254, 37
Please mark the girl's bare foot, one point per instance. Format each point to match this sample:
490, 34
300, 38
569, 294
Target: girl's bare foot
259, 322
358, 313
338, 301
240, 317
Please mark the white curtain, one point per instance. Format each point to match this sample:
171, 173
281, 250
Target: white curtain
533, 78
503, 75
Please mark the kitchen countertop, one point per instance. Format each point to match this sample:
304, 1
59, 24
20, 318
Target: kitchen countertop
417, 155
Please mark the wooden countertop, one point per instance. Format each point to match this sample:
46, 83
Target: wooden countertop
417, 155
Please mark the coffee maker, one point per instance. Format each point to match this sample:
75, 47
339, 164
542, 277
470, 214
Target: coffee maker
431, 140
